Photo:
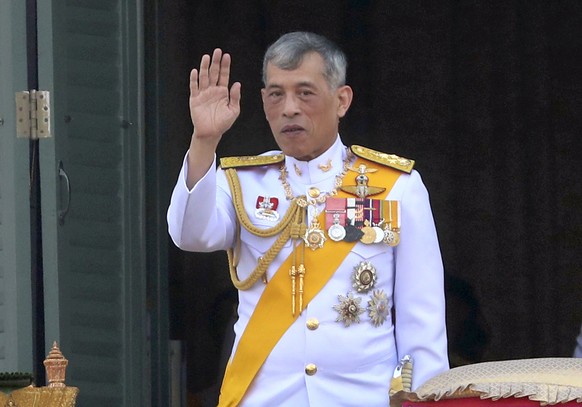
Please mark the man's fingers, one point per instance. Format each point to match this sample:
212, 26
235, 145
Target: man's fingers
235, 96
215, 67
224, 70
203, 81
214, 71
194, 82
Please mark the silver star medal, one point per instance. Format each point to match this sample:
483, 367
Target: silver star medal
378, 310
391, 237
348, 309
336, 231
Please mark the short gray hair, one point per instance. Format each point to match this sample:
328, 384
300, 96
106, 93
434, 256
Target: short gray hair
288, 52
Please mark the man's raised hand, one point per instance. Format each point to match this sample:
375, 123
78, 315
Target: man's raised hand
213, 107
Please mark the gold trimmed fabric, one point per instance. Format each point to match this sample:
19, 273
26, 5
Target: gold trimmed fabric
549, 381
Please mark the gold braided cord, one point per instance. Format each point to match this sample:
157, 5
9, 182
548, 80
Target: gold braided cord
242, 216
292, 225
262, 264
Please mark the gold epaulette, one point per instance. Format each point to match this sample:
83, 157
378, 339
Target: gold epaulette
250, 161
389, 160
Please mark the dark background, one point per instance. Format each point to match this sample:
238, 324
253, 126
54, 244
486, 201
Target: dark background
486, 96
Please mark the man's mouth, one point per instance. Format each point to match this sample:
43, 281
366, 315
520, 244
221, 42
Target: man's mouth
292, 129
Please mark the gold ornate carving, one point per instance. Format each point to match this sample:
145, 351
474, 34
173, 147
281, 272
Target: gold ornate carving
56, 394
40, 397
56, 367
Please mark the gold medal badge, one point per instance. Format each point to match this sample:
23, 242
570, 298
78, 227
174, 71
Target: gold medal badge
364, 277
369, 236
391, 224
314, 237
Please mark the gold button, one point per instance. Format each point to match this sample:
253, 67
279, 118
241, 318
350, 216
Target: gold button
312, 324
313, 192
310, 369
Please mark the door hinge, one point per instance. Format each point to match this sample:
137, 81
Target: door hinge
33, 112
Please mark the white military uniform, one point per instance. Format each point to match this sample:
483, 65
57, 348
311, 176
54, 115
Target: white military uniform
354, 363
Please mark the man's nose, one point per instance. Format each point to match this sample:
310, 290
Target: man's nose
291, 106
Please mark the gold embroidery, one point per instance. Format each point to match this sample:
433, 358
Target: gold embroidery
250, 160
389, 160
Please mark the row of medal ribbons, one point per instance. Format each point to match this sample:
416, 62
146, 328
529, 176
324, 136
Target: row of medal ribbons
367, 220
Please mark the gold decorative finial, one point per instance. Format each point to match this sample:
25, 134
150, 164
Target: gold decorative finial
56, 367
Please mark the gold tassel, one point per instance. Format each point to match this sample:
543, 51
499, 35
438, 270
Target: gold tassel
301, 272
293, 273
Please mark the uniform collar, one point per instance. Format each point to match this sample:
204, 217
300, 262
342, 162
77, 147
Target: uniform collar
314, 171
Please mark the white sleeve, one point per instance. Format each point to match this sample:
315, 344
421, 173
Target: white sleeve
419, 286
202, 219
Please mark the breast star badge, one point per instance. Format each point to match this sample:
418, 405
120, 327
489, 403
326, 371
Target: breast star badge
364, 277
378, 310
348, 309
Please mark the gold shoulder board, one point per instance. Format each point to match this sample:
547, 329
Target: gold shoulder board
250, 161
389, 160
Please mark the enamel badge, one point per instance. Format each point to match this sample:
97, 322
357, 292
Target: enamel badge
266, 208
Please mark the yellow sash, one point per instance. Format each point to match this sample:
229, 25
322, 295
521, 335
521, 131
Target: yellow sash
272, 315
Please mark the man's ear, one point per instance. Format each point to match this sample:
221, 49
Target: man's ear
344, 95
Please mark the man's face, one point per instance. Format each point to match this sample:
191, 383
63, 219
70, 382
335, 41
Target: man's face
302, 110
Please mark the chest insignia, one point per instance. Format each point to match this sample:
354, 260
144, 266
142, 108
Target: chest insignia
362, 189
364, 277
349, 309
266, 208
314, 237
378, 308
368, 220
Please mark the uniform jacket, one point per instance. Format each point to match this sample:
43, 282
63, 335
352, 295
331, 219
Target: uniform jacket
354, 363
